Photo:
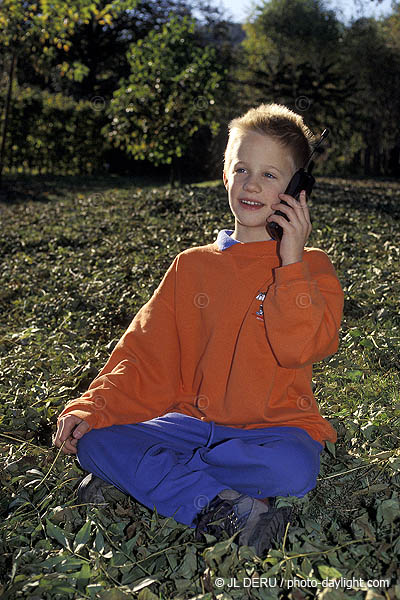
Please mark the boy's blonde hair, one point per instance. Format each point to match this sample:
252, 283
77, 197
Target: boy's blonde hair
278, 121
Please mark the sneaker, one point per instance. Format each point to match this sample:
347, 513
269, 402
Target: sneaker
258, 525
90, 490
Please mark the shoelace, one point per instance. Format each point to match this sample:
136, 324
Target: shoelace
225, 512
235, 523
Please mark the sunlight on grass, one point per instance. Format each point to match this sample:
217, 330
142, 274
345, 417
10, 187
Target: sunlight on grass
79, 258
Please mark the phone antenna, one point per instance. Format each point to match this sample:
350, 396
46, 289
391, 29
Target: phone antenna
323, 136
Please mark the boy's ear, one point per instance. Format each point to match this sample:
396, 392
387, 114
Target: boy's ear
224, 177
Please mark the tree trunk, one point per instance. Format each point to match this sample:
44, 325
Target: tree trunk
367, 160
377, 159
175, 174
7, 112
394, 161
356, 162
171, 174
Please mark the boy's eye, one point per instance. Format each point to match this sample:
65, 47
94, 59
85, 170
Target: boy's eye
243, 170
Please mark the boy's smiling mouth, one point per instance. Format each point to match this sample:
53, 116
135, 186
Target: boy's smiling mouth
251, 204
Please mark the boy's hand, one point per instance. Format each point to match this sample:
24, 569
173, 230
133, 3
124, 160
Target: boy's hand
296, 231
66, 431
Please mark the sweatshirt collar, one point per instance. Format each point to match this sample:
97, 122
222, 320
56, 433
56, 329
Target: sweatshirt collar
225, 241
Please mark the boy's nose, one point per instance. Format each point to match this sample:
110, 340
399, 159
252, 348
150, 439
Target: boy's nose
251, 184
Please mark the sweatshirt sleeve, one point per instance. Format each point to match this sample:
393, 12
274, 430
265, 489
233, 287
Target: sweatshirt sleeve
142, 375
303, 310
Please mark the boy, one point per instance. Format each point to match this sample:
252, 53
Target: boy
205, 408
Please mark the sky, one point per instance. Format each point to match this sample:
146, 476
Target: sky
347, 9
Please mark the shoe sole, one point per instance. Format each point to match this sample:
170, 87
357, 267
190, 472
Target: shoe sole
270, 527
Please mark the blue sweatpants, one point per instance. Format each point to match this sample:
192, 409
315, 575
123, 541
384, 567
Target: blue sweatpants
178, 464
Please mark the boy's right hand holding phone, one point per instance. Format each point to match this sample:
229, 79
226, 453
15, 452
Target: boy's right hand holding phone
296, 229
70, 430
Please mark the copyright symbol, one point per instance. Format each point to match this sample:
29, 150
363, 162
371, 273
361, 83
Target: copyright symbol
303, 300
219, 582
201, 502
302, 103
202, 402
97, 102
201, 300
304, 402
99, 402
201, 103
96, 198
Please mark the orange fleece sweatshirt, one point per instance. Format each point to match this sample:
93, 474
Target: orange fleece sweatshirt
228, 336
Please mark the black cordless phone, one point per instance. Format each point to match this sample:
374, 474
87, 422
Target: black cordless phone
301, 180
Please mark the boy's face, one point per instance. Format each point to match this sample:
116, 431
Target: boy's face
259, 170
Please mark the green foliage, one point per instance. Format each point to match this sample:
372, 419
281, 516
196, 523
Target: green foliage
53, 133
291, 55
41, 26
98, 49
299, 53
320, 92
53, 22
173, 85
79, 258
378, 86
302, 30
170, 98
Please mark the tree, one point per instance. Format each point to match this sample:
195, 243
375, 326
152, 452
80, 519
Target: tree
174, 83
378, 97
318, 92
300, 30
291, 56
27, 25
101, 50
297, 52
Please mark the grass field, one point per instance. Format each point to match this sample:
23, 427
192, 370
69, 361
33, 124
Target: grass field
79, 257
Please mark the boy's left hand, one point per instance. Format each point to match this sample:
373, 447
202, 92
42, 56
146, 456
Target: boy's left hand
295, 231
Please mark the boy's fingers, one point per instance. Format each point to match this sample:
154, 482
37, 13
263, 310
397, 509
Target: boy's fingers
69, 447
70, 425
65, 426
70, 430
80, 430
303, 202
59, 437
300, 203
299, 206
303, 198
